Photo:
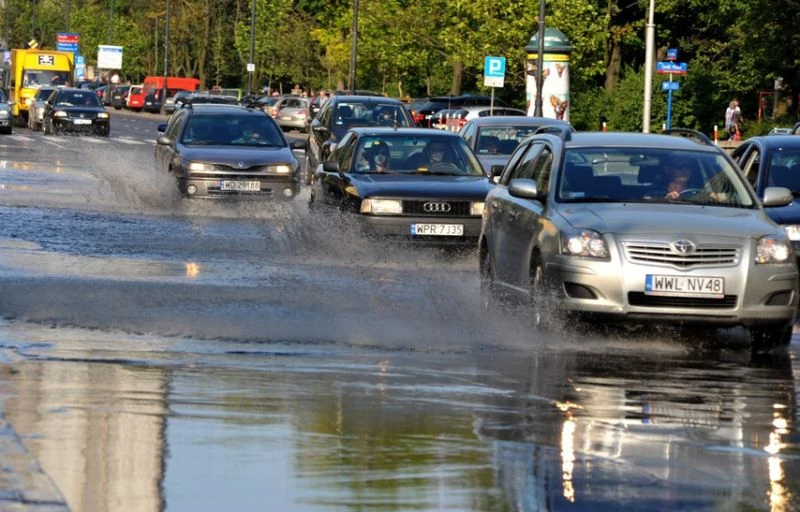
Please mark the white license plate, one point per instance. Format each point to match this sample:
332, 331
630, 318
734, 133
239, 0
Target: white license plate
246, 186
82, 121
438, 229
286, 118
685, 286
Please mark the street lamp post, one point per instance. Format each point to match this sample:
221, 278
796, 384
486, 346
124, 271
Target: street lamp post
354, 48
166, 62
537, 108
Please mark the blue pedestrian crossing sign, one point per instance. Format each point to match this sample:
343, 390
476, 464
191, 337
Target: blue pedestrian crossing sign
494, 71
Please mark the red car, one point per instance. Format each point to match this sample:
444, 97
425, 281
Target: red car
135, 99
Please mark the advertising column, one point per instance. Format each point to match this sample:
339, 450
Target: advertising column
555, 88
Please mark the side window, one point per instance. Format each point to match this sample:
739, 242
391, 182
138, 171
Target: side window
513, 162
541, 170
175, 122
751, 166
469, 134
325, 114
344, 154
525, 167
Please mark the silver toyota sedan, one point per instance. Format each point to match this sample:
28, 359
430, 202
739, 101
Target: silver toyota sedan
637, 228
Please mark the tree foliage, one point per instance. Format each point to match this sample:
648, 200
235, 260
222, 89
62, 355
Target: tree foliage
733, 49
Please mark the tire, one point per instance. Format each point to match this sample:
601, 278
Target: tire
309, 174
540, 300
490, 298
773, 336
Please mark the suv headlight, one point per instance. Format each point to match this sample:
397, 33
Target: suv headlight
200, 167
382, 206
476, 208
772, 249
584, 242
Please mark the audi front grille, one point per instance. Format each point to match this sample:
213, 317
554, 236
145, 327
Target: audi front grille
436, 208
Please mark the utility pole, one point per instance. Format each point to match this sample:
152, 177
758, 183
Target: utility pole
166, 62
69, 12
354, 48
648, 68
111, 22
251, 66
537, 107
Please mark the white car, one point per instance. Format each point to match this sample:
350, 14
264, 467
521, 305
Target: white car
37, 107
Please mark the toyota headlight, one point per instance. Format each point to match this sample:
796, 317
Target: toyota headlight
772, 249
59, 113
584, 242
200, 167
793, 232
102, 115
476, 208
381, 206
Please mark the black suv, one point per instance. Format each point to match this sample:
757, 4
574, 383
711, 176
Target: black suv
217, 150
341, 113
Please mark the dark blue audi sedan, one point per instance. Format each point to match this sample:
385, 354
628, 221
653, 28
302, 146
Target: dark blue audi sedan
774, 161
414, 183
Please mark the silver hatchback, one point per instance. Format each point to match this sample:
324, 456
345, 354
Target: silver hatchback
637, 228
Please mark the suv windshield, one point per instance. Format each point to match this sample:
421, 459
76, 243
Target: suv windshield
231, 130
651, 175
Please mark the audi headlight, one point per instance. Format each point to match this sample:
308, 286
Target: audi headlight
584, 242
381, 206
280, 169
102, 115
772, 249
200, 167
476, 208
793, 232
59, 113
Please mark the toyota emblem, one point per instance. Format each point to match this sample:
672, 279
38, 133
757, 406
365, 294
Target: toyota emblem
684, 247
240, 164
436, 207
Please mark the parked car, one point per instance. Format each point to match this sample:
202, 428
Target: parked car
176, 101
75, 110
774, 161
37, 108
407, 183
275, 109
592, 224
424, 112
341, 113
119, 96
494, 138
6, 116
135, 99
294, 114
219, 150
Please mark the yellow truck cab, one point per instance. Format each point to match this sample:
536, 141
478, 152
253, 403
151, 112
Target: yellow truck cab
31, 69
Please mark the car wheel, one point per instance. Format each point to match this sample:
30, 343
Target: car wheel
540, 297
490, 298
771, 336
309, 174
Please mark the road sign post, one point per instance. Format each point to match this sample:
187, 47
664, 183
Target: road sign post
494, 72
670, 67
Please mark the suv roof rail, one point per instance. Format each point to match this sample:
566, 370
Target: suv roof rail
689, 133
565, 132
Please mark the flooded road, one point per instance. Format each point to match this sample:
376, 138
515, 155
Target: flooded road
160, 354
